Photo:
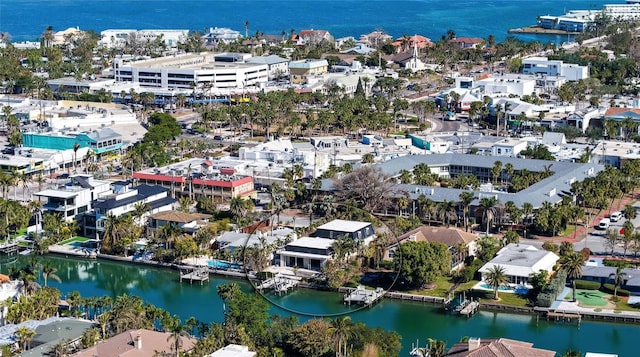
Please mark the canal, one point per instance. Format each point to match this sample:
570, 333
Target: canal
413, 321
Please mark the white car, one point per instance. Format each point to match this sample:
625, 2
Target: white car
604, 223
615, 216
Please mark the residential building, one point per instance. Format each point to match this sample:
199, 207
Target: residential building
230, 241
375, 39
496, 347
519, 261
453, 238
582, 119
118, 38
302, 70
74, 198
137, 343
543, 65
506, 84
359, 48
217, 35
314, 37
187, 222
207, 71
622, 12
123, 201
233, 351
504, 147
467, 42
306, 253
9, 289
450, 165
99, 141
51, 332
407, 43
360, 231
114, 38
277, 66
61, 37
200, 177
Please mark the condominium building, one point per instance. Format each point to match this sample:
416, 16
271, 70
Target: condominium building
543, 65
303, 69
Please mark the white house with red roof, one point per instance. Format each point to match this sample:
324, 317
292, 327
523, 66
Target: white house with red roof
313, 37
467, 42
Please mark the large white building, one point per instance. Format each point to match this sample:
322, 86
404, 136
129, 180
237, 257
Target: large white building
117, 38
73, 198
543, 65
193, 70
622, 12
278, 66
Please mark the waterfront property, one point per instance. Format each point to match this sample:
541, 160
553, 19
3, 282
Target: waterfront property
137, 343
187, 222
453, 238
73, 198
520, 261
496, 347
359, 231
545, 66
306, 253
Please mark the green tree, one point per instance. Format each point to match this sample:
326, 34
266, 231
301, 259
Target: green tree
573, 266
619, 278
421, 263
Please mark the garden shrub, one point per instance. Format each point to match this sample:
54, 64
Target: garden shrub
587, 284
550, 292
609, 289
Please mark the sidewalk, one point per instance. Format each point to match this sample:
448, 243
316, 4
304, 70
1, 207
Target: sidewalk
562, 305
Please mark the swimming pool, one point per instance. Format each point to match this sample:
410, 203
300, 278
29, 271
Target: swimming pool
500, 288
221, 264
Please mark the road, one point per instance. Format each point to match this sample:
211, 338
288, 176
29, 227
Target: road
596, 240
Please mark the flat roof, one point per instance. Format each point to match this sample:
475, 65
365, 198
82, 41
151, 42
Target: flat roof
57, 193
341, 225
312, 242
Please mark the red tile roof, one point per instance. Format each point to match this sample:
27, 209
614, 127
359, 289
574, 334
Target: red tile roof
618, 110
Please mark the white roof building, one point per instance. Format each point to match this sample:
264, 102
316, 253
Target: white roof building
233, 351
520, 261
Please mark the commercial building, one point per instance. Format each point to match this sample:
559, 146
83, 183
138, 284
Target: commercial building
99, 141
301, 70
118, 38
193, 70
277, 66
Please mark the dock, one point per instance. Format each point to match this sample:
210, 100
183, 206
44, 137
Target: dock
470, 308
363, 296
280, 284
197, 274
9, 248
562, 316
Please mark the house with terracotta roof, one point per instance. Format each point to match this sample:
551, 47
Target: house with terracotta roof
137, 343
467, 42
497, 347
407, 43
453, 238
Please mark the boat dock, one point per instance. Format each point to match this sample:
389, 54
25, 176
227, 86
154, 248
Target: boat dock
196, 274
562, 316
461, 305
363, 296
9, 248
470, 308
280, 284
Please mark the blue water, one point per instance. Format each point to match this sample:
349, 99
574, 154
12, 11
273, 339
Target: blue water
500, 288
26, 19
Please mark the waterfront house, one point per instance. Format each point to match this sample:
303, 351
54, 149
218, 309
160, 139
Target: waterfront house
137, 343
124, 200
520, 261
233, 351
49, 333
73, 198
188, 222
217, 35
362, 231
496, 347
461, 244
375, 39
306, 253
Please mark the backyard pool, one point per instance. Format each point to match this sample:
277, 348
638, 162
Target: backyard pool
520, 289
222, 265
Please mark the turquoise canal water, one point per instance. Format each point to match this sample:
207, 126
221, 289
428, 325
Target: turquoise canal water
413, 321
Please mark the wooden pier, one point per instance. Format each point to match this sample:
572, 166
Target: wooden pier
280, 284
363, 296
561, 316
196, 274
9, 248
470, 308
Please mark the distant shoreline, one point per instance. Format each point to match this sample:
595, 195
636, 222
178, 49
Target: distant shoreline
541, 31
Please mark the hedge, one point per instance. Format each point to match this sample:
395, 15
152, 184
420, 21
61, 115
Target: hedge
609, 288
587, 284
551, 291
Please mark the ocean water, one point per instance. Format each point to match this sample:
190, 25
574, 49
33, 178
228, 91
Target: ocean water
26, 19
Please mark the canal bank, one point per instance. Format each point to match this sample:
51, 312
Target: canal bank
412, 320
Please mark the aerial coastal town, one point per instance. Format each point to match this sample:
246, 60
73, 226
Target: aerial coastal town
463, 174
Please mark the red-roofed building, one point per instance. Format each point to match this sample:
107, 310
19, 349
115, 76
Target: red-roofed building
406, 43
497, 347
467, 42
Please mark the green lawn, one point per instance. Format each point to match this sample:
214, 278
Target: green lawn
623, 306
74, 239
486, 296
443, 285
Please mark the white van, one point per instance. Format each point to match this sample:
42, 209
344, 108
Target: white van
604, 223
615, 216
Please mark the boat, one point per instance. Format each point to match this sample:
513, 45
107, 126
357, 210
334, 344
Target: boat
417, 351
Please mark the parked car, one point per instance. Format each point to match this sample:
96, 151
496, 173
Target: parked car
604, 223
615, 216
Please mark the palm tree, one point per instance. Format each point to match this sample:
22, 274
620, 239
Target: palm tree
573, 266
176, 331
445, 211
496, 277
24, 337
487, 208
496, 170
619, 277
437, 348
341, 331
466, 198
139, 210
